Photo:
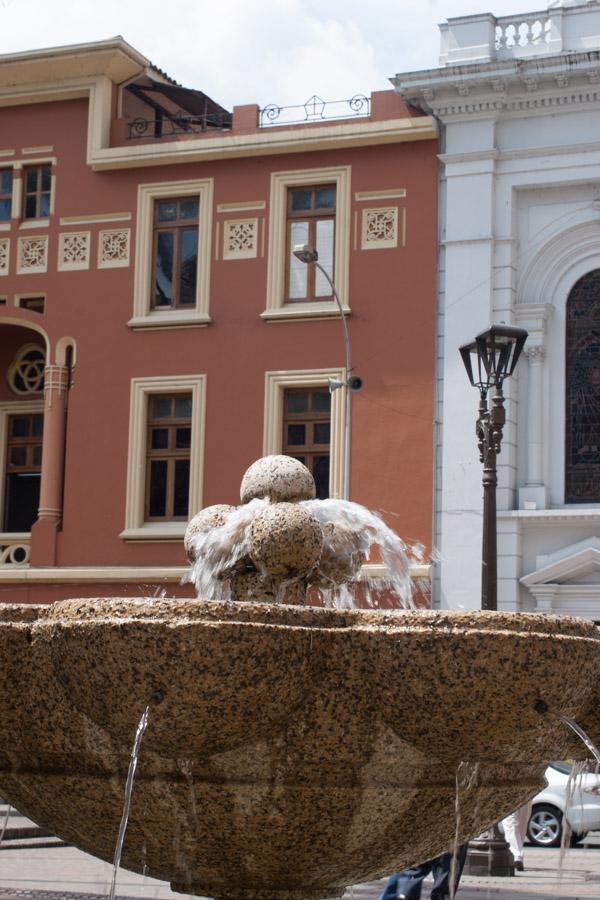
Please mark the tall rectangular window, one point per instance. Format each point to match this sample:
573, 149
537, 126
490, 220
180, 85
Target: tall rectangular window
23, 471
37, 189
6, 189
307, 432
175, 253
168, 447
310, 220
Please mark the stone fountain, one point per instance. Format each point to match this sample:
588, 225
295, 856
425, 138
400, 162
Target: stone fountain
295, 749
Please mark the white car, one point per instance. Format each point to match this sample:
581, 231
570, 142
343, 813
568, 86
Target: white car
582, 809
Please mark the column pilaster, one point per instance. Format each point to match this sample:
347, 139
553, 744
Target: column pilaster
533, 492
45, 529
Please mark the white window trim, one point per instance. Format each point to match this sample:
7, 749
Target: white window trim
12, 408
143, 315
275, 384
280, 182
136, 529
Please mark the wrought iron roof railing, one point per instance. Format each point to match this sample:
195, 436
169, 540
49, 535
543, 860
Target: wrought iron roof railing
163, 126
314, 110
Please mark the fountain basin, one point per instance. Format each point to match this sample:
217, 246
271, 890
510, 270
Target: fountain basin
297, 750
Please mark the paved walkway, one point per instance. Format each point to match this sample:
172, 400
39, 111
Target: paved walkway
64, 873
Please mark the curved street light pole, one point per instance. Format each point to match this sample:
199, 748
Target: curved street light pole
308, 255
347, 352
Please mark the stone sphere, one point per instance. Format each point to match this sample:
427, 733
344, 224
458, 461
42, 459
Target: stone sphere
285, 540
279, 478
208, 518
341, 558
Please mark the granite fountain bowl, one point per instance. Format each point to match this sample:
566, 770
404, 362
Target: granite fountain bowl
296, 750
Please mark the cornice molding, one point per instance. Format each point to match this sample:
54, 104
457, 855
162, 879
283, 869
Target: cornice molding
268, 141
149, 574
113, 58
565, 516
511, 86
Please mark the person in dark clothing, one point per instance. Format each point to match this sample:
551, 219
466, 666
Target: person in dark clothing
406, 885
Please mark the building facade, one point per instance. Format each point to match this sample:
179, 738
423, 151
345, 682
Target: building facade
157, 334
517, 99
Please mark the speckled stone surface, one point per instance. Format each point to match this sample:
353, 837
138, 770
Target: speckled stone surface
285, 540
297, 750
208, 518
278, 478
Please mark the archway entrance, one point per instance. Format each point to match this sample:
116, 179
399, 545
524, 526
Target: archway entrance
22, 364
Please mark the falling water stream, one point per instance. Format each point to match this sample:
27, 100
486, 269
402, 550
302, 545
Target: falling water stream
584, 737
5, 824
141, 729
571, 787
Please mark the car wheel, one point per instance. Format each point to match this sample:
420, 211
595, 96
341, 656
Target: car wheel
545, 826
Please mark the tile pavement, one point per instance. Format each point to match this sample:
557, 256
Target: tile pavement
64, 873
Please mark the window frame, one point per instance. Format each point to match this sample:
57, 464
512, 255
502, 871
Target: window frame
312, 216
309, 420
276, 383
144, 315
176, 227
276, 305
29, 166
10, 196
169, 454
136, 528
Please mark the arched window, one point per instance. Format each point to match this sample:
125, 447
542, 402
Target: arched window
582, 401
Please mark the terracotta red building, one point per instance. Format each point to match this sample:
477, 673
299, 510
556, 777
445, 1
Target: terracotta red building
157, 334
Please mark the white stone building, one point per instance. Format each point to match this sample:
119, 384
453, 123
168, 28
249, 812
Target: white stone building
518, 102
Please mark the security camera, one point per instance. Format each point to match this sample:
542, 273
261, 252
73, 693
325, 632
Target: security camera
355, 384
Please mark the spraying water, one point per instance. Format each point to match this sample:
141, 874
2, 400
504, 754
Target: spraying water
350, 533
368, 530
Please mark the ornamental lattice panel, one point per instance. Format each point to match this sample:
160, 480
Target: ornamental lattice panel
380, 228
582, 401
33, 255
74, 251
4, 255
113, 248
240, 238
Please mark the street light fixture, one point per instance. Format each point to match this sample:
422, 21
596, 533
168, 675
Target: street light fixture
353, 383
489, 359
496, 353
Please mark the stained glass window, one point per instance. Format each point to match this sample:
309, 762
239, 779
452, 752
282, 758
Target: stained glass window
582, 407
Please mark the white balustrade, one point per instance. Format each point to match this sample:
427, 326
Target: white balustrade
14, 550
516, 32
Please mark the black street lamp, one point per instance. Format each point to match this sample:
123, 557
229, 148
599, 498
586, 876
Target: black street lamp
496, 353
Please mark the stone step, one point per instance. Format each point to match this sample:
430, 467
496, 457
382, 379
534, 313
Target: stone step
39, 842
20, 828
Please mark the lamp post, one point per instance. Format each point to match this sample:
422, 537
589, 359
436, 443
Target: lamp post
496, 353
309, 255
